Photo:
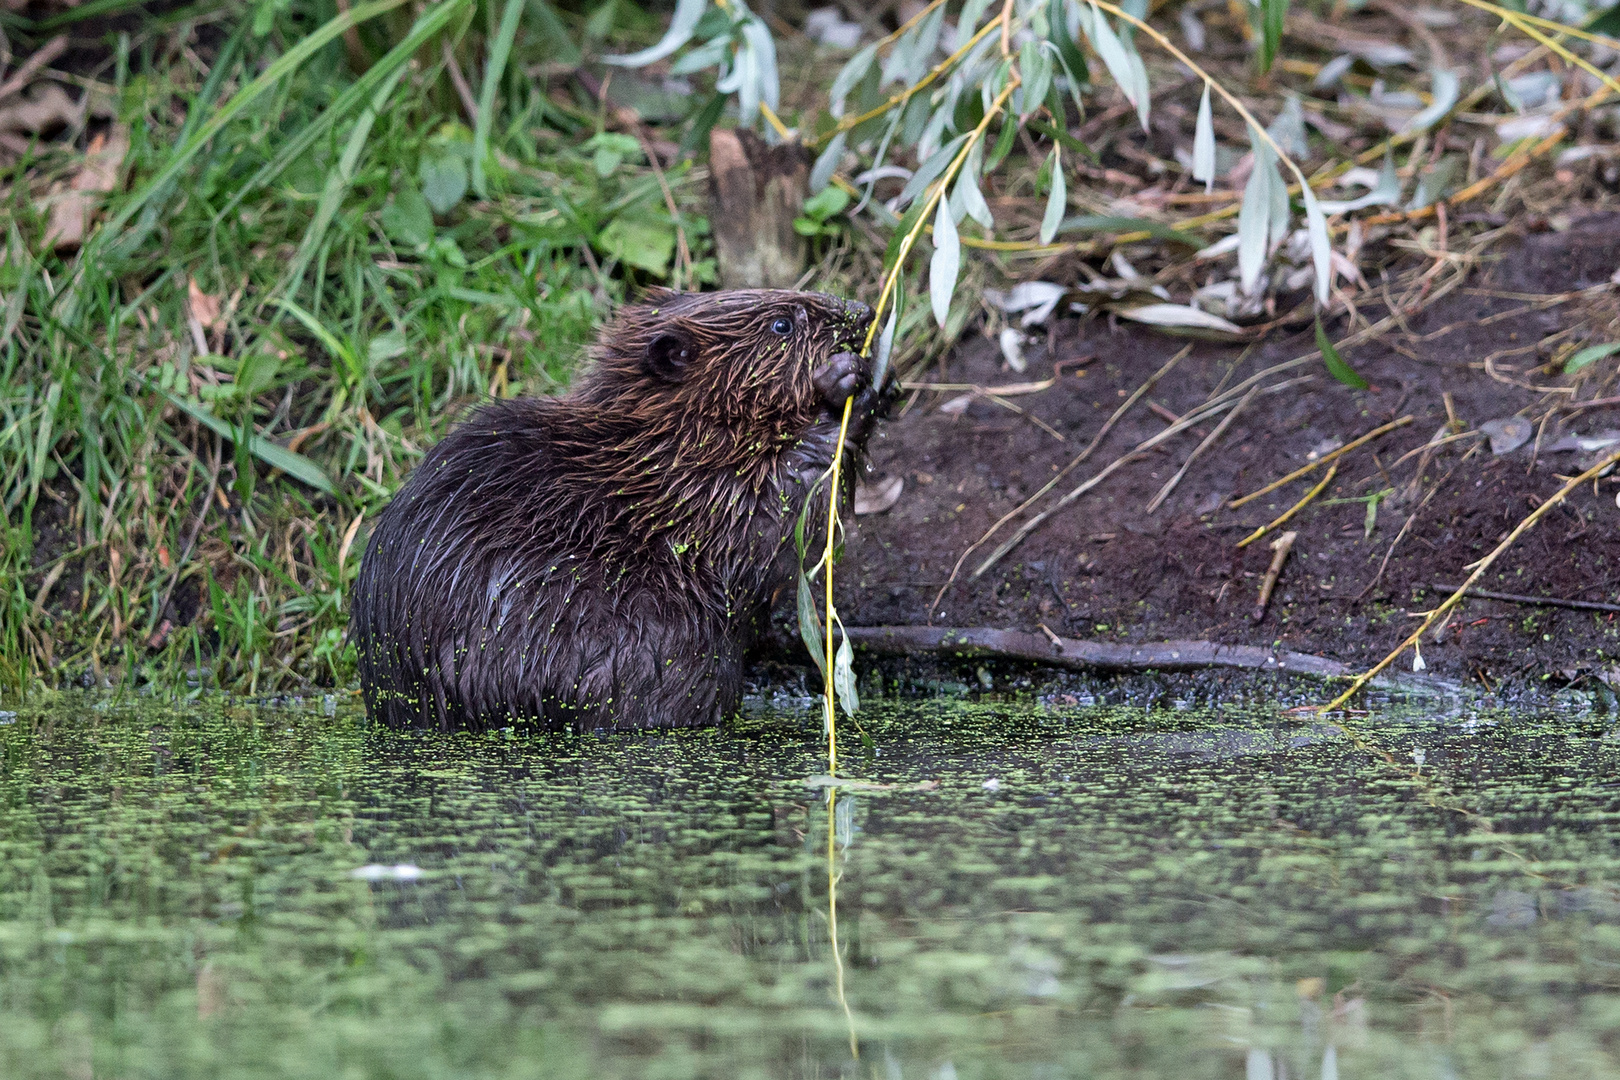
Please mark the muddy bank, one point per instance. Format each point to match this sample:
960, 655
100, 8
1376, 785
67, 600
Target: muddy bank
1107, 569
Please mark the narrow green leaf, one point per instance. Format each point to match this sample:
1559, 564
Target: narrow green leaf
929, 171
946, 263
1069, 54
968, 198
1590, 354
1445, 88
1335, 363
885, 345
292, 463
1035, 71
1203, 167
827, 164
1057, 200
844, 677
1113, 53
1321, 246
849, 77
1254, 217
500, 49
1004, 144
810, 625
968, 23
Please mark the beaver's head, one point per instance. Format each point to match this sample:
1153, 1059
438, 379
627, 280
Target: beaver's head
740, 360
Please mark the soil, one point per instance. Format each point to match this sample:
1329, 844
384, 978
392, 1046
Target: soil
1105, 568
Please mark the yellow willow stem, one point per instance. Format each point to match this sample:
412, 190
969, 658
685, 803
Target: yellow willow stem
1479, 571
935, 192
1524, 26
908, 93
909, 23
827, 689
1507, 14
774, 120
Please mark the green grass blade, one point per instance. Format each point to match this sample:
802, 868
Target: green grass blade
291, 462
427, 25
500, 50
283, 66
337, 185
333, 345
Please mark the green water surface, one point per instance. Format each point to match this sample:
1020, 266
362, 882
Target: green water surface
228, 890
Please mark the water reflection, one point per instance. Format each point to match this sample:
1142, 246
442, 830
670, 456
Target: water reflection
234, 891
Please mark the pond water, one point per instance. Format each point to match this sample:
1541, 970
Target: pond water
227, 890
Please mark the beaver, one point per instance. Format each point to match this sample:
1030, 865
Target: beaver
602, 560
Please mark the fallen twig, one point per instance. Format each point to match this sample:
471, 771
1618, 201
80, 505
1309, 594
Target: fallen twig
1203, 412
1319, 462
1108, 425
1086, 655
1280, 548
1006, 390
1283, 519
30, 67
1209, 440
1535, 601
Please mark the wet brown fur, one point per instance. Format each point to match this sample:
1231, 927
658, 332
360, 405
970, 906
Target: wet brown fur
603, 559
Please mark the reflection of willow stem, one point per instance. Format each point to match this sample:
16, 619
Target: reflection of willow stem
935, 193
832, 917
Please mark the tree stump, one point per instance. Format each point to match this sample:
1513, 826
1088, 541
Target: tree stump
755, 192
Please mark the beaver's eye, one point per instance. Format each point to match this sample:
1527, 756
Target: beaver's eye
782, 327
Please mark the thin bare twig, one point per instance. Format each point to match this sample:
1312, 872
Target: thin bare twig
1286, 515
469, 100
1204, 412
30, 67
1319, 462
1280, 548
1209, 440
1534, 601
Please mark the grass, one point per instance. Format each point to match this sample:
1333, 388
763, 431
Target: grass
289, 299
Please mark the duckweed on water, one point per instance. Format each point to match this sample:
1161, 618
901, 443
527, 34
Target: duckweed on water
239, 891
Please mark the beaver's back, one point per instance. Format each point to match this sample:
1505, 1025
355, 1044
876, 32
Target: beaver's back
492, 592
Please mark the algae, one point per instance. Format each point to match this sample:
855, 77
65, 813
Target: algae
234, 890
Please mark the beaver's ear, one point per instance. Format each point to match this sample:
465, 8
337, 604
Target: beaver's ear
668, 355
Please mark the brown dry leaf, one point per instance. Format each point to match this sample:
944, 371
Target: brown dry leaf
42, 107
73, 210
204, 308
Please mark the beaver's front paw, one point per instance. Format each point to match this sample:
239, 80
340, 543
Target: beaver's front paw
838, 378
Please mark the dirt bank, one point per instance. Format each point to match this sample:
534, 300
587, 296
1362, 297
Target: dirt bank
1106, 568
